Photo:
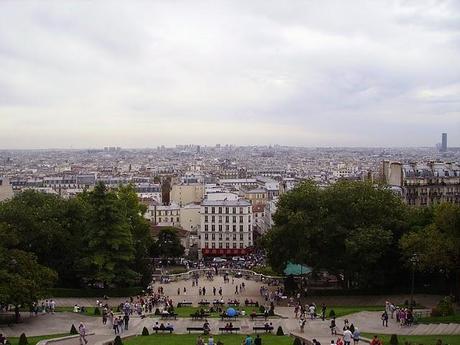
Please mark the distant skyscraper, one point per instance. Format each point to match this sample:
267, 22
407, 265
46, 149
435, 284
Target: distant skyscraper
444, 142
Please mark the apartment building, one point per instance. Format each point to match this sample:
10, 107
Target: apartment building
186, 193
226, 227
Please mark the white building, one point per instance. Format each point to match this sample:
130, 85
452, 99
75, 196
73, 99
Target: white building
6, 190
226, 227
164, 215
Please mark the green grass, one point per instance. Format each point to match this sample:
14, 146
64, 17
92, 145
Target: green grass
36, 339
418, 339
440, 319
186, 339
89, 310
186, 311
346, 310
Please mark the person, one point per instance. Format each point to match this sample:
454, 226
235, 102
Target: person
333, 327
347, 336
376, 341
302, 323
82, 333
316, 342
339, 341
115, 325
385, 319
210, 340
2, 339
352, 328
248, 340
323, 312
258, 340
126, 319
206, 327
356, 336
199, 341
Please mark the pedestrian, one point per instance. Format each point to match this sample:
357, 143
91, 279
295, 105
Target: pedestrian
333, 327
302, 323
385, 319
347, 336
323, 312
82, 333
126, 319
258, 340
248, 340
356, 336
115, 325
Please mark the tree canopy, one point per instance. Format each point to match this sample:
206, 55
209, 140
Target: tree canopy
168, 244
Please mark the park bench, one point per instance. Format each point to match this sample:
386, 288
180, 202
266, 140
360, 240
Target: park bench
195, 329
228, 318
256, 316
199, 316
229, 330
183, 304
234, 303
203, 303
251, 304
158, 329
263, 328
169, 316
218, 303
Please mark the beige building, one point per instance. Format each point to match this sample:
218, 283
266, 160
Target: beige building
183, 194
258, 196
190, 217
6, 190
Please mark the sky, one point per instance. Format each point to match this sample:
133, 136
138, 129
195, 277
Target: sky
306, 73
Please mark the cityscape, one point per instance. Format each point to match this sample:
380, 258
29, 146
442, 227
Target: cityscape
229, 173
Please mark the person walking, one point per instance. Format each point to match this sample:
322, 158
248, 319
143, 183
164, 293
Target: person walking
126, 320
333, 327
356, 336
82, 333
347, 336
385, 319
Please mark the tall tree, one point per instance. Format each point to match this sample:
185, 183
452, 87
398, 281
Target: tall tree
168, 244
109, 249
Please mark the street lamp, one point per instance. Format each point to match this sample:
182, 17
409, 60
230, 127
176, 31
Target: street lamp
414, 261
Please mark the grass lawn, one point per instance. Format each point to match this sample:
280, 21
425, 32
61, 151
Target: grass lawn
345, 310
418, 339
35, 340
440, 319
89, 310
186, 339
186, 311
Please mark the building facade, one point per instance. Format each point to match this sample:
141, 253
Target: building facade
226, 227
183, 194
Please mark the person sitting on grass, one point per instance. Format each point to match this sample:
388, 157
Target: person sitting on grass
376, 341
258, 340
210, 340
199, 341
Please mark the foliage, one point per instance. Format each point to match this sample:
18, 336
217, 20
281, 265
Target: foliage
73, 330
394, 340
357, 221
297, 341
23, 339
145, 331
265, 270
111, 292
97, 311
117, 341
279, 331
331, 313
168, 244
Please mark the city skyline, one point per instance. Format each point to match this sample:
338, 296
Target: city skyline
330, 74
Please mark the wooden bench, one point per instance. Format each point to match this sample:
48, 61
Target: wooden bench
234, 303
204, 303
218, 303
251, 304
184, 304
228, 318
256, 316
199, 316
158, 329
169, 316
195, 329
229, 330
263, 328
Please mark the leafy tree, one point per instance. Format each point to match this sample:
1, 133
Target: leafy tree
168, 244
347, 228
109, 249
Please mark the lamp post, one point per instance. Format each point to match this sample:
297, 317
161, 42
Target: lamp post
414, 261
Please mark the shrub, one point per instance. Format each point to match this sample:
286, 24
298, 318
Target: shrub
97, 311
73, 330
394, 340
117, 341
145, 331
435, 312
297, 342
261, 309
157, 312
279, 331
445, 306
331, 313
23, 340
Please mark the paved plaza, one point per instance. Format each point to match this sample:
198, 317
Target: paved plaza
366, 321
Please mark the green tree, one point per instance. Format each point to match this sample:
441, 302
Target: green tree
347, 228
168, 244
109, 250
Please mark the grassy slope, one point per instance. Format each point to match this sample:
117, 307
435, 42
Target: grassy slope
186, 339
441, 319
35, 340
418, 339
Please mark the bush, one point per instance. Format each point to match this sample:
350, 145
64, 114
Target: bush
297, 342
261, 309
73, 330
279, 331
157, 312
23, 340
145, 331
331, 313
117, 341
445, 306
394, 340
97, 311
113, 292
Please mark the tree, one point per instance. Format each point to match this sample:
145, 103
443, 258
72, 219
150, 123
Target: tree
168, 244
346, 228
109, 250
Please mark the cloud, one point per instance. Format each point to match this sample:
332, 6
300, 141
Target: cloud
144, 73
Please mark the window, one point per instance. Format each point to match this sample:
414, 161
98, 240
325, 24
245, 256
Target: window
226, 210
205, 210
234, 245
177, 219
249, 227
220, 209
220, 236
227, 237
206, 244
241, 210
241, 237
241, 219
205, 218
213, 209
220, 219
234, 237
234, 219
206, 227
159, 220
227, 227
213, 236
220, 244
220, 227
206, 236
213, 245
227, 245
226, 219
241, 245
213, 227
234, 227
241, 227
172, 220
234, 209
213, 219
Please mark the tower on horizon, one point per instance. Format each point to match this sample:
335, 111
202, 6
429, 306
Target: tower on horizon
444, 142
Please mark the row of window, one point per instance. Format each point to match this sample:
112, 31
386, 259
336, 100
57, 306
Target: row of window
167, 213
227, 219
166, 220
227, 227
227, 245
226, 210
227, 237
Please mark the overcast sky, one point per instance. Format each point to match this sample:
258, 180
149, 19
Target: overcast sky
312, 73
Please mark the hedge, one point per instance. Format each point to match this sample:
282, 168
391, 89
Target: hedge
116, 292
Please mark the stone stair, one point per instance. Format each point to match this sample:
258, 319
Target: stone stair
434, 329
